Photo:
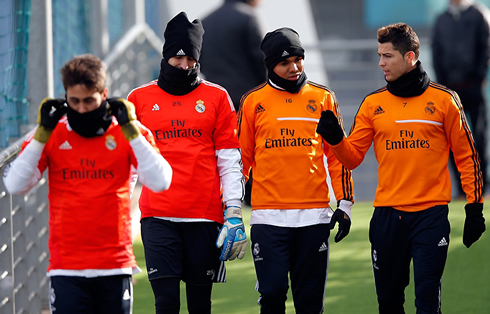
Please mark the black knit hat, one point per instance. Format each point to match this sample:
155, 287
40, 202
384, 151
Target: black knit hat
183, 38
280, 45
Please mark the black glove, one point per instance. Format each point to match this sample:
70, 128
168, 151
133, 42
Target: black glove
344, 224
474, 224
125, 114
329, 128
49, 113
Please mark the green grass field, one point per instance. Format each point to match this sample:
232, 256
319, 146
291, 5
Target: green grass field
350, 286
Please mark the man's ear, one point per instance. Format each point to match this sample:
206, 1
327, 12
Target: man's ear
410, 57
105, 93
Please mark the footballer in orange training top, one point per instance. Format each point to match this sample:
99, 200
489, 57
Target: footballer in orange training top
412, 123
291, 216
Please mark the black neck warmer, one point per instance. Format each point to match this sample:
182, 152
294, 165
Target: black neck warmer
92, 123
413, 83
177, 81
290, 86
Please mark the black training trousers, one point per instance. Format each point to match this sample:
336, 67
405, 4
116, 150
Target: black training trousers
300, 252
96, 295
396, 238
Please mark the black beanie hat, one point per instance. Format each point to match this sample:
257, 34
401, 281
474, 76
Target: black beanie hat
280, 45
183, 38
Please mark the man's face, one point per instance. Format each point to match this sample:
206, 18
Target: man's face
392, 62
83, 100
290, 69
183, 62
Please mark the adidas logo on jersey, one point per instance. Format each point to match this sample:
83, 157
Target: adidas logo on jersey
323, 247
259, 109
443, 242
379, 110
155, 107
181, 53
285, 53
65, 146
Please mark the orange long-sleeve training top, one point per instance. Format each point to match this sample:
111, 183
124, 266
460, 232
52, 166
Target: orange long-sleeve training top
412, 137
277, 134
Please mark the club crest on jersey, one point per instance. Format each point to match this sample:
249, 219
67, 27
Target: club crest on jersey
200, 106
430, 109
311, 106
110, 143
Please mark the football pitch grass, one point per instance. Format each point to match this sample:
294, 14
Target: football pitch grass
350, 285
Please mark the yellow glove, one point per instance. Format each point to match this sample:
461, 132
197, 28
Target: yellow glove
125, 114
50, 112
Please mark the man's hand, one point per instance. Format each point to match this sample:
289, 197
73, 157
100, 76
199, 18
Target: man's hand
232, 238
49, 113
329, 128
474, 224
125, 114
344, 224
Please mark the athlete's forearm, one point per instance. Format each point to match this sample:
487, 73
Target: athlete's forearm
24, 174
347, 154
230, 171
153, 170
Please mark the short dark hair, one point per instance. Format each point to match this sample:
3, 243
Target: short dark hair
401, 36
86, 70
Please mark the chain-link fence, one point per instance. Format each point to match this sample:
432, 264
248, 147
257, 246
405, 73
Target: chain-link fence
23, 245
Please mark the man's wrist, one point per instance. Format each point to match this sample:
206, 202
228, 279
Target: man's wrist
36, 146
233, 212
346, 207
130, 130
233, 202
42, 134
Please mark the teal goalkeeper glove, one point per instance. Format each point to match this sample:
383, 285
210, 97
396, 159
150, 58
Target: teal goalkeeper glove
232, 238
